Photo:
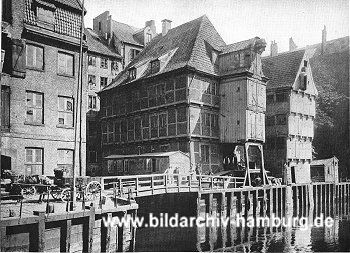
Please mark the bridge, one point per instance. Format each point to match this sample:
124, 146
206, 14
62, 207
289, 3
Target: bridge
153, 184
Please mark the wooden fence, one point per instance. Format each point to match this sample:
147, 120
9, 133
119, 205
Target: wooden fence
145, 185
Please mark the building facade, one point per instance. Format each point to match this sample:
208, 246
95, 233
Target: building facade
104, 63
175, 95
127, 40
290, 115
39, 88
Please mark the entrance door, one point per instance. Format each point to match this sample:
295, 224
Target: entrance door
293, 174
5, 164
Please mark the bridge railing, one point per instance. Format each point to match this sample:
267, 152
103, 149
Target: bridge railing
141, 185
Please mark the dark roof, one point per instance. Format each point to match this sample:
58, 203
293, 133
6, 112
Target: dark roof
189, 44
238, 46
323, 161
76, 4
146, 155
282, 69
125, 33
98, 44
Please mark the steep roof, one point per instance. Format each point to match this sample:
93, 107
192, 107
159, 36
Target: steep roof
189, 44
125, 32
98, 44
76, 4
282, 69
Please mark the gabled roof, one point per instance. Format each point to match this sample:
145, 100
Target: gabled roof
282, 69
125, 33
189, 45
324, 161
98, 44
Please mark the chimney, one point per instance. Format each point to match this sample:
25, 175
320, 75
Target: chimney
151, 25
292, 45
324, 39
273, 49
166, 26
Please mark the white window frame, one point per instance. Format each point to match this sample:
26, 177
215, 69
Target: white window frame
34, 107
66, 112
34, 161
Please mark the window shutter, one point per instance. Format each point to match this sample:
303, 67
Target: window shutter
18, 58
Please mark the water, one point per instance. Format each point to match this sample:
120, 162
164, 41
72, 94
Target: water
267, 239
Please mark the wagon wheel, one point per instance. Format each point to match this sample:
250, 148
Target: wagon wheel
28, 191
65, 194
92, 190
56, 192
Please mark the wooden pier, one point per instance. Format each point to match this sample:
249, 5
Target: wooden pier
81, 231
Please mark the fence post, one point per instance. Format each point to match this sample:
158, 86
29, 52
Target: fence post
137, 186
211, 182
152, 185
166, 183
178, 182
115, 194
189, 182
41, 232
91, 228
200, 183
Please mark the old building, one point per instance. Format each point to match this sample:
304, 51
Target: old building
325, 170
104, 63
189, 91
290, 114
39, 87
127, 40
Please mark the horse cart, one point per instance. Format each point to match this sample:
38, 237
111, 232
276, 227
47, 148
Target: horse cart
58, 186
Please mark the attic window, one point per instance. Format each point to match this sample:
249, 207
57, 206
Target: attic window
305, 63
45, 14
155, 66
132, 73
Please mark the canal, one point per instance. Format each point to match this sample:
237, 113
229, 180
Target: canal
306, 238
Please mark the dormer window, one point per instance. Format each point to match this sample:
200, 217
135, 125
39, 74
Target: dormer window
155, 66
132, 73
305, 63
148, 37
45, 14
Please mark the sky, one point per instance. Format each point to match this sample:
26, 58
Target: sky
237, 20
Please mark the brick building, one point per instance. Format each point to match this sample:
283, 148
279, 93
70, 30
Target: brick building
290, 114
104, 63
189, 91
39, 86
127, 40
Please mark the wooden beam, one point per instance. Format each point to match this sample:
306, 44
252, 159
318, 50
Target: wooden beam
68, 233
41, 232
91, 225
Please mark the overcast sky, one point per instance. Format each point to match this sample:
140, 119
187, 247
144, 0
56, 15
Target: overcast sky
237, 20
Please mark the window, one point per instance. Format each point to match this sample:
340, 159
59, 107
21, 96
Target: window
104, 63
205, 154
281, 119
280, 143
34, 108
133, 53
154, 126
92, 60
34, 57
214, 89
103, 81
65, 111
92, 81
92, 156
155, 65
270, 120
104, 132
34, 161
270, 98
92, 102
65, 64
99, 26
282, 97
132, 73
148, 37
114, 66
305, 63
65, 161
5, 107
